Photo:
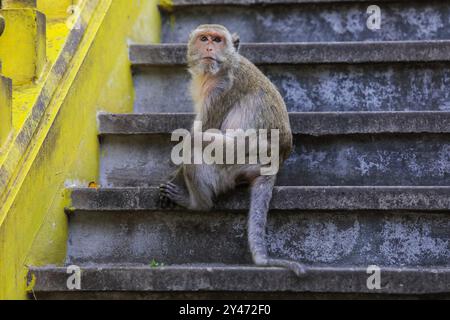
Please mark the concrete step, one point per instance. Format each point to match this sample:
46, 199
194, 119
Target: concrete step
204, 281
314, 238
407, 76
305, 53
305, 123
295, 21
390, 226
360, 148
188, 3
284, 198
393, 159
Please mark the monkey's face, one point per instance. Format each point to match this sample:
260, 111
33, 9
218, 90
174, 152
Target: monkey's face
210, 50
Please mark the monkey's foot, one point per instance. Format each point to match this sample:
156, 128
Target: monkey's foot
170, 195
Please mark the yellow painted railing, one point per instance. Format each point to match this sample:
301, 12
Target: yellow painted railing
53, 138
23, 44
5, 109
51, 8
19, 3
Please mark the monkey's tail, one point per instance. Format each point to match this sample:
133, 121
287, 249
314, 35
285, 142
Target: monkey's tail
261, 194
294, 266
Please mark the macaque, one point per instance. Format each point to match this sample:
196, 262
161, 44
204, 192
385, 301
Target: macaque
230, 92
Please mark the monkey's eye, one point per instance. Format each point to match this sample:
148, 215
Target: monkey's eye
203, 38
217, 39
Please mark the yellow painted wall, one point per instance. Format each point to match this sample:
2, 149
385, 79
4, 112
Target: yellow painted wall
66, 150
55, 9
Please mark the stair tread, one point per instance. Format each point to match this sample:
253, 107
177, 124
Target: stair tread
302, 53
186, 3
311, 123
248, 278
284, 198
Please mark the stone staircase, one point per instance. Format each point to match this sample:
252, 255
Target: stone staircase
368, 182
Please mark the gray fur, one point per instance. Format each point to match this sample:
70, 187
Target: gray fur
232, 93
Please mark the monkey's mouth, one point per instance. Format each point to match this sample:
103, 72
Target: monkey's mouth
210, 59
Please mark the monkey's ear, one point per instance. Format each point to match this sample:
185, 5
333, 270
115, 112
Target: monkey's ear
236, 41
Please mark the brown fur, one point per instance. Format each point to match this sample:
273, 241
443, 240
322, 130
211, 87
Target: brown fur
229, 92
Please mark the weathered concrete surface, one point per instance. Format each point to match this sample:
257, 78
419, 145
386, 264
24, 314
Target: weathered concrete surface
243, 279
185, 3
144, 161
162, 90
380, 87
369, 160
386, 159
400, 20
307, 123
284, 198
317, 88
227, 295
314, 238
305, 53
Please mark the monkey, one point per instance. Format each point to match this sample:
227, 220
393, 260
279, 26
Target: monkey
230, 92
